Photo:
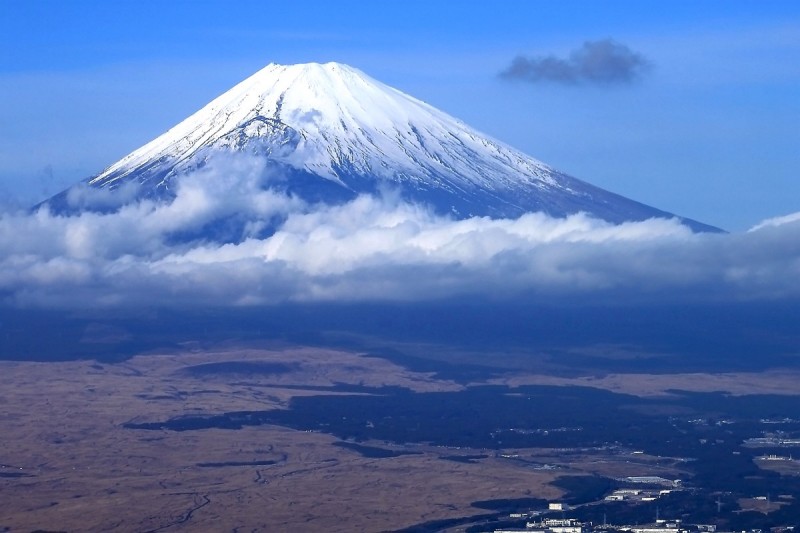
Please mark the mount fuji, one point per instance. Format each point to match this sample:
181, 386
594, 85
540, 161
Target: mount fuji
328, 132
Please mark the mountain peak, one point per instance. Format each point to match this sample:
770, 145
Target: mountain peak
329, 119
331, 132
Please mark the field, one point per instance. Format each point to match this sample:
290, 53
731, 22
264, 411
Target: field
293, 437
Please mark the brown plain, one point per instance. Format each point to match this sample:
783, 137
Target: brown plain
67, 463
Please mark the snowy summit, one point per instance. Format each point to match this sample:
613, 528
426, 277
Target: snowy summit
330, 132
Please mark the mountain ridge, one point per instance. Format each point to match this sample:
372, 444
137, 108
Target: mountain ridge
332, 132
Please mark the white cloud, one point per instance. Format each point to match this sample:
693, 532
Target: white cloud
148, 253
777, 221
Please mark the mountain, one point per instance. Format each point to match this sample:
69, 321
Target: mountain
329, 132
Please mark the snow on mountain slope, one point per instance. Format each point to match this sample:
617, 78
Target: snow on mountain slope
331, 132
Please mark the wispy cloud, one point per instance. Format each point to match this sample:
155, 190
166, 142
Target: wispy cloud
596, 62
370, 249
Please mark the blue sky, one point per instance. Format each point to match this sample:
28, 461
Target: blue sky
709, 131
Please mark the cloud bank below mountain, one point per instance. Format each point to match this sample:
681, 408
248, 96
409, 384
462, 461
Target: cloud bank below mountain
147, 253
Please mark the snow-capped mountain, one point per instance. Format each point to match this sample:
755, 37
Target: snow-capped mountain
330, 132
